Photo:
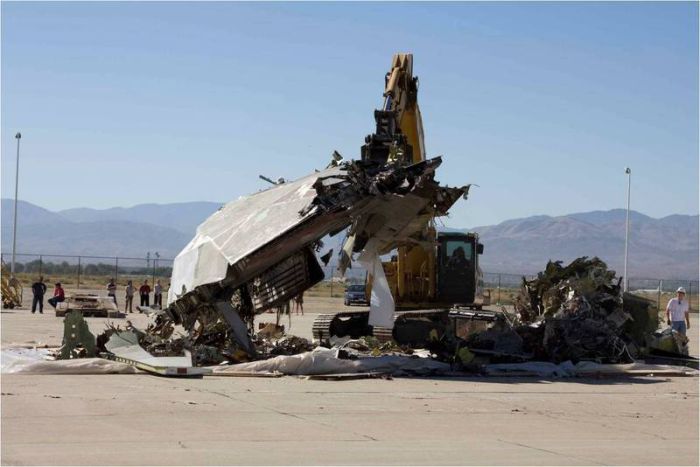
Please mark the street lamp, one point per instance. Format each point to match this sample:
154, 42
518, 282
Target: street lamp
18, 136
628, 171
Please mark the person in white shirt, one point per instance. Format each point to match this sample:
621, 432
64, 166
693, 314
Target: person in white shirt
677, 312
130, 290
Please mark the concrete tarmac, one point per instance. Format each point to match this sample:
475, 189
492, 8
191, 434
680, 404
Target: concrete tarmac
143, 419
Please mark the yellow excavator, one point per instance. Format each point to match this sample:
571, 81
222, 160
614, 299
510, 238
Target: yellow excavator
11, 289
440, 270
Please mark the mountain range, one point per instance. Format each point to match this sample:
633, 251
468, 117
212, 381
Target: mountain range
659, 248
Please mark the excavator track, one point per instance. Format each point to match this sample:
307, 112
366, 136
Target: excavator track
411, 327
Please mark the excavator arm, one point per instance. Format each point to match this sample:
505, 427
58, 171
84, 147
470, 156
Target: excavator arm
398, 139
401, 97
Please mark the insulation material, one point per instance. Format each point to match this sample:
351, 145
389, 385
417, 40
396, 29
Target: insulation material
322, 361
39, 362
381, 303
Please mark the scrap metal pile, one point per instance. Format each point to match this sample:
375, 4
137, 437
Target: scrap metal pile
575, 312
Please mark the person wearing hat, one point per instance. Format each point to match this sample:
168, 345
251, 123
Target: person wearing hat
677, 312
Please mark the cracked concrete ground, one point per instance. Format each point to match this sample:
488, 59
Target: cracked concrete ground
143, 419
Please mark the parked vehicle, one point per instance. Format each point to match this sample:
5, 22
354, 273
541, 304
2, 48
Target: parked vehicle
89, 305
355, 294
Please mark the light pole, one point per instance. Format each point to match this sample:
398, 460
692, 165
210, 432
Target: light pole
628, 171
14, 227
155, 266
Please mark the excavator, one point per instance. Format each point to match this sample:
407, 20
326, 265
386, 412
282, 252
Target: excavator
435, 273
11, 289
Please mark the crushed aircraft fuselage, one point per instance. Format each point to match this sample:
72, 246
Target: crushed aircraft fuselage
257, 252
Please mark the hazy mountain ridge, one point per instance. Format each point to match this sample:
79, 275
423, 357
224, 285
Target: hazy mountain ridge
659, 248
127, 232
183, 217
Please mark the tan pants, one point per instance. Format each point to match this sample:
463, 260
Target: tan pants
129, 302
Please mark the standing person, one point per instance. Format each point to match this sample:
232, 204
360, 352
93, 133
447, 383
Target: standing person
38, 290
145, 291
299, 301
130, 291
158, 295
112, 290
58, 295
677, 312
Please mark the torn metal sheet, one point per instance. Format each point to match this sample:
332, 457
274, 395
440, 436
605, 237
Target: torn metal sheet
124, 347
381, 303
78, 341
257, 252
239, 328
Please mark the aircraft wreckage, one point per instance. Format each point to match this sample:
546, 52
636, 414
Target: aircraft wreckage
257, 252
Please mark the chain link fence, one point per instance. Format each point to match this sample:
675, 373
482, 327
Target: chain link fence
90, 272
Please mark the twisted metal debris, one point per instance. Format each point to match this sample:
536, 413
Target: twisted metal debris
578, 312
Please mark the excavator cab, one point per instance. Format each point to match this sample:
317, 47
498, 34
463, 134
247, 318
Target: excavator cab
458, 267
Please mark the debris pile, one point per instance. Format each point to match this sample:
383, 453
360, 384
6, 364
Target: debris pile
577, 312
281, 345
209, 339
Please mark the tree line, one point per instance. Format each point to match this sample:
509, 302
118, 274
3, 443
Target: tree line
98, 269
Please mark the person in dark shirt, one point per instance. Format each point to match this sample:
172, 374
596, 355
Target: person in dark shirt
145, 291
58, 295
38, 290
112, 290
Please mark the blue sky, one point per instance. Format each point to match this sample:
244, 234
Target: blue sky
541, 104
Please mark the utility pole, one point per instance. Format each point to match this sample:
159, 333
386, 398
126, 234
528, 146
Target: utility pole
155, 266
628, 171
14, 228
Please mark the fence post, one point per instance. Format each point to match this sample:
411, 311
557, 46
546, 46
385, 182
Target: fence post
498, 300
153, 277
41, 263
78, 272
116, 269
658, 296
690, 295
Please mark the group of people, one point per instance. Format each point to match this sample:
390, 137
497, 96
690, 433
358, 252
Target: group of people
144, 293
676, 310
38, 292
59, 295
